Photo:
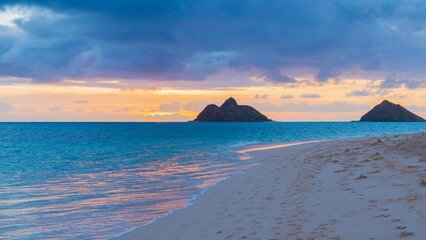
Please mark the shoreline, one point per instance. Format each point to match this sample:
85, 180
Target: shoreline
190, 203
243, 150
182, 216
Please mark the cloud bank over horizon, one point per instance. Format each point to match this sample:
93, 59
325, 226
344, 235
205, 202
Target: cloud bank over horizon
50, 41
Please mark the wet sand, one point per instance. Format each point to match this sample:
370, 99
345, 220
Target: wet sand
367, 188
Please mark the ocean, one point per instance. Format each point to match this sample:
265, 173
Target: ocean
97, 180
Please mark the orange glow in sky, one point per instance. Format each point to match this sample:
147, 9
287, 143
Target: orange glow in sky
78, 101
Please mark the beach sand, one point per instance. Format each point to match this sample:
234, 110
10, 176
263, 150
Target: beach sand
367, 188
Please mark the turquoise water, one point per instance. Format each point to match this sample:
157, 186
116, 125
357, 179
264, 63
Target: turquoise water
96, 180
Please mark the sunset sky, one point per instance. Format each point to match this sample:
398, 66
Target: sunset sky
293, 60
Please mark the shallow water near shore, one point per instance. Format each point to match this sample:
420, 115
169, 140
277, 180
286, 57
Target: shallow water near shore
97, 180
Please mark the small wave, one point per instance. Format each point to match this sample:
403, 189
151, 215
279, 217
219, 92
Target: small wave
237, 145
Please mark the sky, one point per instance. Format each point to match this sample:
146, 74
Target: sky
293, 60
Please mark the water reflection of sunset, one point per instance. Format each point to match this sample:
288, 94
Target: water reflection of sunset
135, 195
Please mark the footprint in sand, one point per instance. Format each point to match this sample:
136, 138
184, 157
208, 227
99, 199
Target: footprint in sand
406, 234
360, 177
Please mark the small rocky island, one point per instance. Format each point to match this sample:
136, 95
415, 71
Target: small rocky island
389, 112
230, 111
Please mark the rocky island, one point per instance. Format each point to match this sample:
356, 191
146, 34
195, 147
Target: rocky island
390, 112
230, 111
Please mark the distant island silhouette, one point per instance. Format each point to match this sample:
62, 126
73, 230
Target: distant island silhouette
390, 112
230, 111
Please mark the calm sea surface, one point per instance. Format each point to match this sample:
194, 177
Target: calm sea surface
97, 180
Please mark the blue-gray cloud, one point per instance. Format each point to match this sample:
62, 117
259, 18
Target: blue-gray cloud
55, 109
398, 96
370, 92
192, 39
6, 107
416, 108
12, 81
306, 107
310, 96
286, 96
360, 93
260, 96
176, 106
172, 107
81, 101
395, 82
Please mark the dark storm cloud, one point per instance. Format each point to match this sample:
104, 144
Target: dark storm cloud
191, 40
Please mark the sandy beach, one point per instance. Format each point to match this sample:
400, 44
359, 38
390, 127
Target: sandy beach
367, 188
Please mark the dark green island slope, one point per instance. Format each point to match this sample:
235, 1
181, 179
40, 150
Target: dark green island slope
230, 111
389, 112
